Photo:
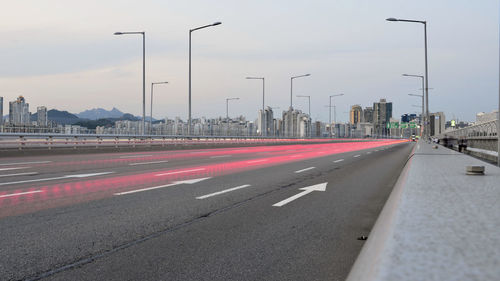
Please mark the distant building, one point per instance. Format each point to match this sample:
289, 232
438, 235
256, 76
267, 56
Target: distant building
19, 113
368, 115
482, 117
355, 114
1, 111
265, 123
437, 123
382, 114
42, 119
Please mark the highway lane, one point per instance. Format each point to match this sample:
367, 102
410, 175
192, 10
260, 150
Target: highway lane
58, 236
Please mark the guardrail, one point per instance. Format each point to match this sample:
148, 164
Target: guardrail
51, 141
438, 223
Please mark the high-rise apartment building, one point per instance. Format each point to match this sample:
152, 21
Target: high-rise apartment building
437, 123
265, 123
368, 115
355, 114
42, 119
382, 114
19, 112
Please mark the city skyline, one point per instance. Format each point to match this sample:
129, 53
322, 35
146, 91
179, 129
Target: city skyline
363, 59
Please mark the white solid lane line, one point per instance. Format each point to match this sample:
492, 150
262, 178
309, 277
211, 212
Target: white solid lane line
13, 168
147, 163
337, 161
303, 170
179, 172
223, 191
256, 161
192, 181
220, 156
369, 152
357, 155
58, 178
19, 174
22, 163
20, 193
135, 156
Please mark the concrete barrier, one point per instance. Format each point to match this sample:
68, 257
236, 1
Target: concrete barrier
438, 223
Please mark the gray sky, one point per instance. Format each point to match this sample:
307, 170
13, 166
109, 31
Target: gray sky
62, 54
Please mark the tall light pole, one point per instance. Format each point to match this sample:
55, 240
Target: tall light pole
263, 89
330, 113
227, 111
422, 123
191, 31
309, 111
151, 109
143, 74
291, 86
427, 117
420, 96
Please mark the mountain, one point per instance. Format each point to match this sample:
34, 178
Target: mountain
106, 122
100, 113
59, 117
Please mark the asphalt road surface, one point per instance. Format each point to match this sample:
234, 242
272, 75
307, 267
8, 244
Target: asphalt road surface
290, 212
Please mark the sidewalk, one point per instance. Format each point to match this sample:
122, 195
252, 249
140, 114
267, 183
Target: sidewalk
438, 223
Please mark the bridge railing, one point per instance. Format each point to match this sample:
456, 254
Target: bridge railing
480, 130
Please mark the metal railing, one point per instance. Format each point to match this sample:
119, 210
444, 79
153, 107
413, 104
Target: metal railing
481, 130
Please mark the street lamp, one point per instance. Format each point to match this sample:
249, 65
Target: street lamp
334, 111
151, 110
309, 111
427, 117
263, 88
227, 111
422, 123
143, 74
191, 31
291, 86
422, 106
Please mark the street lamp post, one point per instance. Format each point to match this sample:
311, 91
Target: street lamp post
227, 111
263, 89
143, 74
291, 86
422, 106
330, 112
151, 109
427, 117
191, 31
309, 111
422, 123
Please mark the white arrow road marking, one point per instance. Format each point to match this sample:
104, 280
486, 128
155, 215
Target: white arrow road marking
19, 174
192, 181
20, 193
58, 178
357, 155
337, 161
307, 190
303, 170
13, 168
22, 163
147, 163
179, 172
223, 191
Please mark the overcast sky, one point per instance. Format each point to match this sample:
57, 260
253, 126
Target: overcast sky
62, 54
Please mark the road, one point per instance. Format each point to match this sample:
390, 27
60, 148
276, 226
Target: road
289, 212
